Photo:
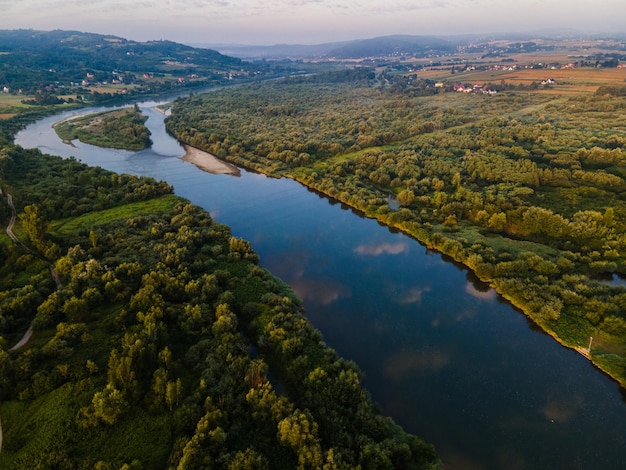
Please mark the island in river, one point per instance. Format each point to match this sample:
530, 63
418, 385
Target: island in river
120, 128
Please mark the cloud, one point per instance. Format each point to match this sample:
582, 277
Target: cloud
300, 21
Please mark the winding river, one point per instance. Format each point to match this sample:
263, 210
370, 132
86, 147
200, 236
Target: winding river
443, 355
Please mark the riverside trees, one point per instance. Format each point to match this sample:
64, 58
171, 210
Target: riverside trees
156, 349
525, 189
123, 129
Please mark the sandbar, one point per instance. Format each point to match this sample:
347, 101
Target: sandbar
208, 162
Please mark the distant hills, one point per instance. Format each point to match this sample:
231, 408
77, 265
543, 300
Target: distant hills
64, 48
394, 45
357, 49
62, 62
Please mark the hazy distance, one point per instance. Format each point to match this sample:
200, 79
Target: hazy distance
266, 22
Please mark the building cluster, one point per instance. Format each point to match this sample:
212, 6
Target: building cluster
478, 89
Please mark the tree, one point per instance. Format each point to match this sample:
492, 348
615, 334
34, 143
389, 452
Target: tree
173, 393
109, 405
34, 224
299, 431
249, 460
497, 222
406, 197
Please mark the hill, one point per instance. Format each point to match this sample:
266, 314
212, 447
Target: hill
361, 48
64, 62
419, 46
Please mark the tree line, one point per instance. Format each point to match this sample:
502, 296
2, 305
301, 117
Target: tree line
165, 345
525, 189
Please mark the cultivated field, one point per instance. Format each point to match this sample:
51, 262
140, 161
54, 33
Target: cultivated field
568, 81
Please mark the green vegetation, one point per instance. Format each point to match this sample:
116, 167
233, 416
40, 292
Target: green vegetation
123, 129
45, 68
526, 189
162, 343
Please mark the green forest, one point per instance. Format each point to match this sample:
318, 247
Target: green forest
525, 188
159, 342
123, 129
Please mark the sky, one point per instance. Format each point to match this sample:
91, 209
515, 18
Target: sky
268, 22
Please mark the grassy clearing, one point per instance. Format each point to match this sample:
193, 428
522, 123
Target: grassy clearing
93, 219
46, 426
7, 99
10, 105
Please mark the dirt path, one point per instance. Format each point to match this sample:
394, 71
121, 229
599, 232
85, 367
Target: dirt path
10, 233
9, 229
25, 339
29, 333
12, 220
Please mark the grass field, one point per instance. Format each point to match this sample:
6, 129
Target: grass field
93, 219
9, 103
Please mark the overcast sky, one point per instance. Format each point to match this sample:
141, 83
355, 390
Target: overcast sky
306, 21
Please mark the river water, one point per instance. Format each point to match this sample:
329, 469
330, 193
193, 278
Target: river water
443, 355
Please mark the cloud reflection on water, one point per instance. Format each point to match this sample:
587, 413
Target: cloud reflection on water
384, 248
408, 363
412, 296
320, 291
562, 409
489, 295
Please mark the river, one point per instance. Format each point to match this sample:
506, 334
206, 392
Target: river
443, 355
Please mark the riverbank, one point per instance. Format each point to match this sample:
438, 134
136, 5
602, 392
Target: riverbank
208, 162
426, 238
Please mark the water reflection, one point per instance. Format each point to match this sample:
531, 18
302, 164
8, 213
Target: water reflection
411, 296
318, 291
409, 364
562, 409
488, 295
440, 356
384, 248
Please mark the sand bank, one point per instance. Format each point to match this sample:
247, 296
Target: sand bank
209, 163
